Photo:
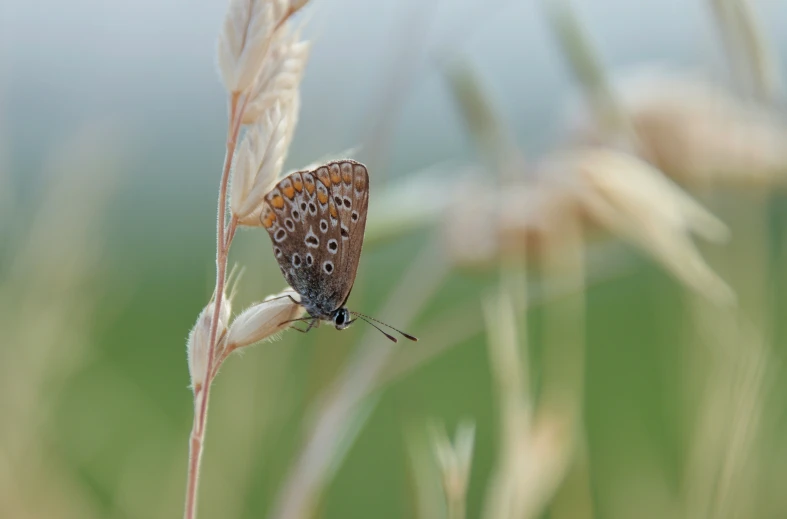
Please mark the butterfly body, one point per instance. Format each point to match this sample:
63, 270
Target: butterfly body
316, 221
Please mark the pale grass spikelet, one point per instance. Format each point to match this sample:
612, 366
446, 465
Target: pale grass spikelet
634, 200
292, 108
263, 320
280, 76
244, 168
695, 131
259, 161
245, 38
535, 447
198, 343
454, 459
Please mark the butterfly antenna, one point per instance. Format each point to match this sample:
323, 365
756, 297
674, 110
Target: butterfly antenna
391, 337
364, 317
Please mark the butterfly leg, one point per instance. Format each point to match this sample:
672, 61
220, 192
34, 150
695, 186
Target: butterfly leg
298, 329
282, 297
311, 324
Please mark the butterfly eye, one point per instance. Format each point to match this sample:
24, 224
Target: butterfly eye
347, 203
333, 246
312, 208
289, 224
280, 235
323, 226
327, 267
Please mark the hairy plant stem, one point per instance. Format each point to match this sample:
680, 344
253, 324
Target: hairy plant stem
224, 235
202, 392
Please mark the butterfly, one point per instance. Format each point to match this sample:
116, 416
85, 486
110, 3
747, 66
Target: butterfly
316, 221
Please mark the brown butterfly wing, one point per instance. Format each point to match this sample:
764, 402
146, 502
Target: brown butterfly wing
354, 192
317, 241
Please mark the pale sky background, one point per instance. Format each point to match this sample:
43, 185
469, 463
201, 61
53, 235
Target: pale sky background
149, 65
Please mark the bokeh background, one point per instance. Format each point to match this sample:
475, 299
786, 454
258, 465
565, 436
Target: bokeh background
112, 129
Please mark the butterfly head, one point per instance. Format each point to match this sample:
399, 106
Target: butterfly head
341, 318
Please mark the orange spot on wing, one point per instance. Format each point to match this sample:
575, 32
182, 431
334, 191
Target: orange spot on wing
297, 183
289, 192
277, 201
322, 197
333, 211
360, 183
309, 182
347, 174
324, 177
268, 218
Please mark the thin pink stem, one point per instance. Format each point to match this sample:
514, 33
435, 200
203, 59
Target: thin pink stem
224, 236
202, 394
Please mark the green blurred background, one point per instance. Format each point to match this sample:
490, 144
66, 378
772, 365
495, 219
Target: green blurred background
112, 127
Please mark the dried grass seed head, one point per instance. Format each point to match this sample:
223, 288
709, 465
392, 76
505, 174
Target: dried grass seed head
245, 38
259, 161
198, 344
280, 76
263, 320
695, 131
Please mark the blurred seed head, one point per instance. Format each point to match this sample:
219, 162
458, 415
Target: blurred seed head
632, 199
609, 190
263, 320
246, 36
695, 131
198, 344
483, 223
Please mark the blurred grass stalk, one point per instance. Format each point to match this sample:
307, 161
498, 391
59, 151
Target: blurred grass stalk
752, 61
425, 474
586, 66
538, 440
732, 347
455, 460
336, 414
48, 297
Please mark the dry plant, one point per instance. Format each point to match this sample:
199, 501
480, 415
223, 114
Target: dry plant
692, 129
732, 348
611, 185
426, 477
261, 61
606, 188
455, 460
